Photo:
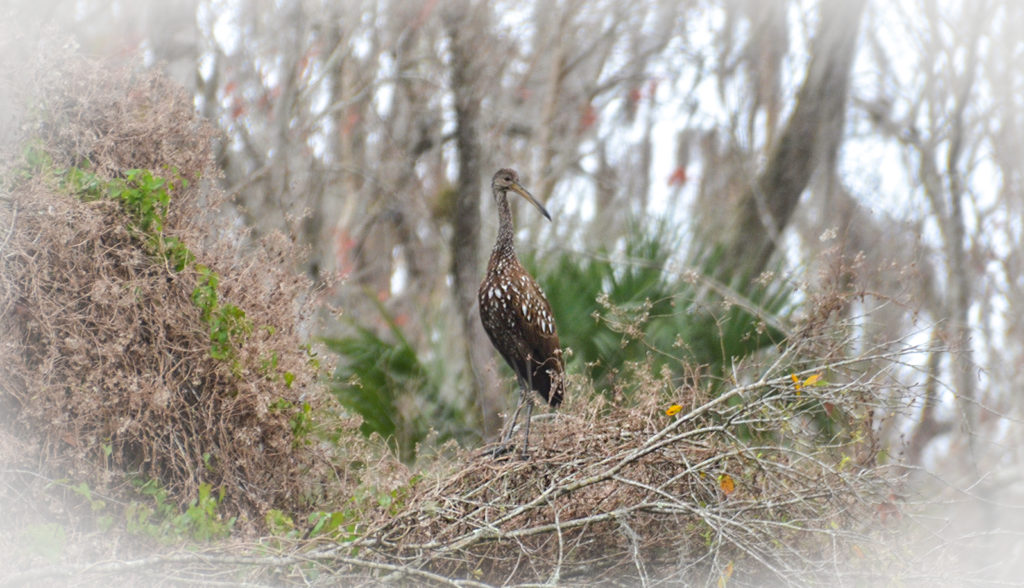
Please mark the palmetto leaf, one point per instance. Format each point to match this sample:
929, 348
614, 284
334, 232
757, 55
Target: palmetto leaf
613, 308
397, 394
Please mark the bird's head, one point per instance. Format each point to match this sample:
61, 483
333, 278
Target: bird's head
507, 179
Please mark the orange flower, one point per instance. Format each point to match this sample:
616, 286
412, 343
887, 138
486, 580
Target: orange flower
723, 579
726, 483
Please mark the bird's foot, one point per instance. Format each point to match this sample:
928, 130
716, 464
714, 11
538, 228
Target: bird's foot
500, 451
504, 451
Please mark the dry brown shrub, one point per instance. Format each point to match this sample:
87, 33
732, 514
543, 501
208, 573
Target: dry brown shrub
560, 509
105, 363
632, 496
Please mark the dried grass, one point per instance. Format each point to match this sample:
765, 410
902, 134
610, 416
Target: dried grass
105, 363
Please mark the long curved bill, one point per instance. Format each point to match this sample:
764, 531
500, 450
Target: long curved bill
526, 194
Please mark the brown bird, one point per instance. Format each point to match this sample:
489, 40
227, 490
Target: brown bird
517, 315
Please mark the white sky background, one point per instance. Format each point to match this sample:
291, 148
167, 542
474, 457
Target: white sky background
871, 168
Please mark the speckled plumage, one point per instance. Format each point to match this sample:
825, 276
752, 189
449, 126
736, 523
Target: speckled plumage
514, 311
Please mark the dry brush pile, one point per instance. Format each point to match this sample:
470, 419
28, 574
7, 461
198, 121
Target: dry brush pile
726, 491
136, 346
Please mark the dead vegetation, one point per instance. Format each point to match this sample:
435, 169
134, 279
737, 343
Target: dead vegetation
106, 373
634, 496
616, 496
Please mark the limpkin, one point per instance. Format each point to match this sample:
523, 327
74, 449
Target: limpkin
517, 315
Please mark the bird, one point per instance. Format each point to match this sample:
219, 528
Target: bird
517, 316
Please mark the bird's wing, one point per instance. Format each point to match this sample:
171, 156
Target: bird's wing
540, 343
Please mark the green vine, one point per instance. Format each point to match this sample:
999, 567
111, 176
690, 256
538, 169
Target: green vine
146, 199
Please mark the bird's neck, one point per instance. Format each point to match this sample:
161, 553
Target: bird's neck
505, 245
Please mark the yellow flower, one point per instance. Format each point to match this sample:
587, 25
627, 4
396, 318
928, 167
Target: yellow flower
672, 410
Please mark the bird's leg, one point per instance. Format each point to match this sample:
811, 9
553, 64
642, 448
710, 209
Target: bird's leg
511, 426
529, 415
526, 390
515, 416
505, 446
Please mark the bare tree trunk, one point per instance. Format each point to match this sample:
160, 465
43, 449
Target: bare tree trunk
544, 169
928, 427
810, 137
466, 221
960, 275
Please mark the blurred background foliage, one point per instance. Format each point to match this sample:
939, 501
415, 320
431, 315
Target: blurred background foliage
620, 307
397, 389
